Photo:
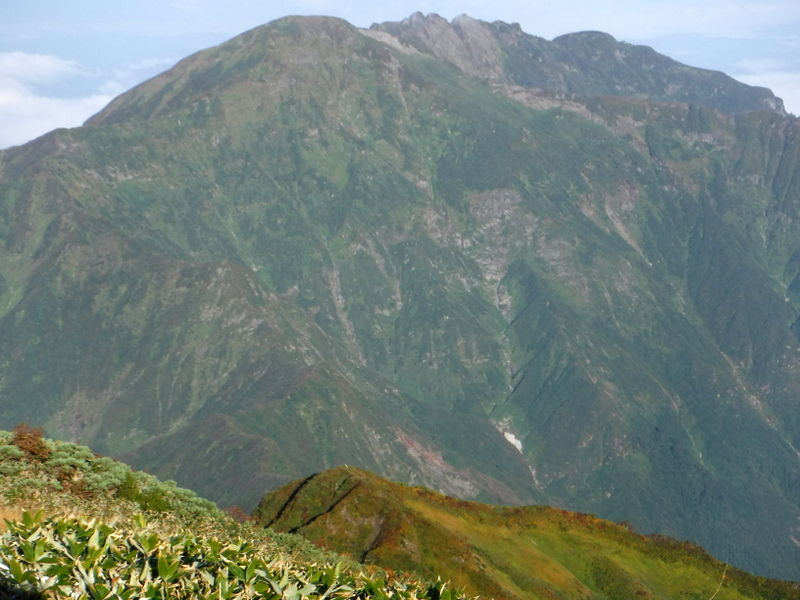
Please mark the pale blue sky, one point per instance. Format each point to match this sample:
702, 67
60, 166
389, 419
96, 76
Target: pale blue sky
63, 60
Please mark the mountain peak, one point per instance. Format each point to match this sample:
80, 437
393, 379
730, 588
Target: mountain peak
267, 60
586, 64
595, 37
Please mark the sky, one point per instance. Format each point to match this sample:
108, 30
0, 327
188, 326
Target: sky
61, 61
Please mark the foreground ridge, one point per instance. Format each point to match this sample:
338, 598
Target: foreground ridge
76, 558
182, 547
519, 553
98, 536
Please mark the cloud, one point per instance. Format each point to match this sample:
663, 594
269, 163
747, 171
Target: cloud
779, 72
25, 116
35, 68
30, 104
785, 85
26, 113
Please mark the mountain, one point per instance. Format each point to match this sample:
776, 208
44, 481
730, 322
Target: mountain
453, 254
499, 552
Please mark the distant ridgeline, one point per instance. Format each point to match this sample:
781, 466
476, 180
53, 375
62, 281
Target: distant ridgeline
451, 253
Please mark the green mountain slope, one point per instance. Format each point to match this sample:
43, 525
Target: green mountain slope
499, 552
316, 245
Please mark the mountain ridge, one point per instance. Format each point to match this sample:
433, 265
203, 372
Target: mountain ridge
499, 552
587, 63
475, 47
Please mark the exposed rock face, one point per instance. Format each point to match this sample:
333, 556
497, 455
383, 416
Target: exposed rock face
467, 43
588, 63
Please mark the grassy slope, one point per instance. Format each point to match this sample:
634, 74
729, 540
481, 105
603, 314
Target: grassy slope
510, 553
187, 548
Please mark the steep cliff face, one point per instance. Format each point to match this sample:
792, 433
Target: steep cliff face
415, 250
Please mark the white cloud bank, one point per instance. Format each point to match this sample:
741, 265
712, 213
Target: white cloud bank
26, 113
785, 85
28, 110
775, 75
25, 116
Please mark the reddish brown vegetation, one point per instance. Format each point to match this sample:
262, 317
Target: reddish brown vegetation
31, 441
238, 514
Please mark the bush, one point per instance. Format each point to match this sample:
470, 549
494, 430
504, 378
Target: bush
106, 474
31, 441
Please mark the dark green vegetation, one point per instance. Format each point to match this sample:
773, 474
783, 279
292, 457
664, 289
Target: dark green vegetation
511, 553
183, 548
423, 251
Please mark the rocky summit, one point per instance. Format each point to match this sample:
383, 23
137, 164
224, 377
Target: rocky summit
452, 253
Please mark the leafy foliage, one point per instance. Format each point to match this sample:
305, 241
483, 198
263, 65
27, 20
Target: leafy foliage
76, 558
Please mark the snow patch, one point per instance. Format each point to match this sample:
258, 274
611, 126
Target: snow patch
503, 427
535, 480
513, 440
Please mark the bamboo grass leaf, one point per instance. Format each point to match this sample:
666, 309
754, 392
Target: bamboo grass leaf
32, 519
19, 573
167, 568
252, 568
237, 571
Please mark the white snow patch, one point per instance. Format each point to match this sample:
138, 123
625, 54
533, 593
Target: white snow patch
513, 440
535, 480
